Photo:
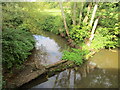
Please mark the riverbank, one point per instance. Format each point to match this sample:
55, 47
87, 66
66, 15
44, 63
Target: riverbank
31, 69
31, 72
84, 76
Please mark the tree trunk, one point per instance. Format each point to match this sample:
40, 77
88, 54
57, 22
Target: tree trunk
93, 14
80, 16
93, 31
64, 19
74, 13
88, 11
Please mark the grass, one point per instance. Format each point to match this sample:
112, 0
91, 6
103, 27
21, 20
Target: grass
54, 12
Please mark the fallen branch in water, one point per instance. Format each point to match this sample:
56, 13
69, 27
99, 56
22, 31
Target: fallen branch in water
55, 64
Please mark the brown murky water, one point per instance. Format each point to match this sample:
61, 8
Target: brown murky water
107, 59
105, 76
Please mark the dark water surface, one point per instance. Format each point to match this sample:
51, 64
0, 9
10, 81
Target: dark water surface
105, 76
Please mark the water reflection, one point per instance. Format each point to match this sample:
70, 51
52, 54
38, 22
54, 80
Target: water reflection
86, 76
73, 79
48, 51
45, 44
62, 43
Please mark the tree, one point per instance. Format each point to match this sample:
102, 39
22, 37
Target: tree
74, 6
93, 14
64, 18
92, 32
80, 15
88, 11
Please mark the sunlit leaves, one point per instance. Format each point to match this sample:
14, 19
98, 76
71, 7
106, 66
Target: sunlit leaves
79, 33
75, 55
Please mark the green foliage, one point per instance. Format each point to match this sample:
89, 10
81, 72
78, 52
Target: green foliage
108, 13
12, 15
79, 33
17, 42
51, 23
16, 45
53, 4
68, 19
106, 34
98, 42
46, 16
57, 25
75, 55
31, 19
47, 23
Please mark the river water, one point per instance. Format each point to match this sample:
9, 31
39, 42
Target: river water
105, 76
48, 48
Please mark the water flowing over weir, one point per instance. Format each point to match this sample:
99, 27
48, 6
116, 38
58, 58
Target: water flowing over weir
48, 51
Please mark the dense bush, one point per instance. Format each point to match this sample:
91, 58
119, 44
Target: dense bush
17, 41
39, 17
79, 33
12, 16
111, 35
109, 16
108, 25
16, 45
47, 23
51, 23
106, 33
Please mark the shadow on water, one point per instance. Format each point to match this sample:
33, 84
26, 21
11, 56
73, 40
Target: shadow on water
71, 78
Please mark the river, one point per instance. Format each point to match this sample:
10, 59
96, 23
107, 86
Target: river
105, 76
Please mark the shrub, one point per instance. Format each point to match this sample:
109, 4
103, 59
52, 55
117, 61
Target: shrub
16, 45
75, 55
57, 25
79, 33
51, 23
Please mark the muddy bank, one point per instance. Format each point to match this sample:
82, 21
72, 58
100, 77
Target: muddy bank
45, 57
31, 72
23, 75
